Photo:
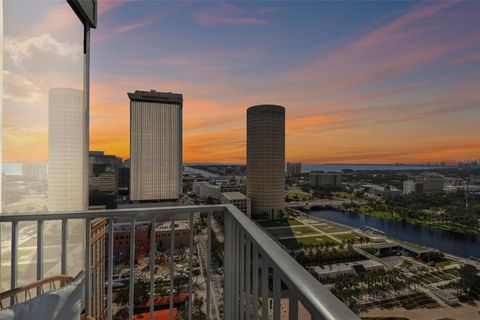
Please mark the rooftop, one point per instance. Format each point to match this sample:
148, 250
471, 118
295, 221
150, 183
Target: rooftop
179, 225
234, 195
154, 96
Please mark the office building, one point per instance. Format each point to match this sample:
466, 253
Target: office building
431, 183
123, 182
155, 146
205, 189
411, 186
266, 160
66, 150
294, 169
319, 179
239, 200
163, 234
386, 192
475, 180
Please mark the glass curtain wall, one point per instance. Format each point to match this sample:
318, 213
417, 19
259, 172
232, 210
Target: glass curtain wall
42, 133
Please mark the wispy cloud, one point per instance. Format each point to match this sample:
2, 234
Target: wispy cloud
228, 14
21, 48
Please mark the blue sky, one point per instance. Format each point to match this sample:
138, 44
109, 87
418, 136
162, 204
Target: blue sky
362, 81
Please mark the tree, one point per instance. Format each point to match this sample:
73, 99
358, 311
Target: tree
469, 279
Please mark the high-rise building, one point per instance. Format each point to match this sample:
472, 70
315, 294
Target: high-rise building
431, 183
103, 178
155, 145
294, 169
266, 160
66, 150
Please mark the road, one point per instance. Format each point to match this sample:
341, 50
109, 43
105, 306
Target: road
202, 252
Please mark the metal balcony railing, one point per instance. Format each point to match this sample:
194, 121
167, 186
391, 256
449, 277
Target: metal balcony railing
258, 276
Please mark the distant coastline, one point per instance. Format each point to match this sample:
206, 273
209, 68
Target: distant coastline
338, 167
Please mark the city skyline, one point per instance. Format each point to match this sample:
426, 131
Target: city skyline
395, 84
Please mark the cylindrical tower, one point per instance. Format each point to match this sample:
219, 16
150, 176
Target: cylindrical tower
266, 160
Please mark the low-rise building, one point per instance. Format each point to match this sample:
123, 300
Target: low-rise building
204, 189
410, 186
345, 269
163, 235
121, 246
325, 179
121, 237
386, 192
475, 180
239, 200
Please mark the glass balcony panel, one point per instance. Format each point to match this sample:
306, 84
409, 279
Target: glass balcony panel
42, 128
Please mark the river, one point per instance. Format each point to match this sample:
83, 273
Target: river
447, 241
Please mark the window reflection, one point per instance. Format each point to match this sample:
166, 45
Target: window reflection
42, 130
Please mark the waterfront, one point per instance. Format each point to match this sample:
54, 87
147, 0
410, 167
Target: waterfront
447, 241
308, 167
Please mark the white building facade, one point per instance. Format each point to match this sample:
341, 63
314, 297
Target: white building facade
66, 150
155, 146
239, 200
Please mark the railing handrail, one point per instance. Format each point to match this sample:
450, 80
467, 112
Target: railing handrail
314, 295
111, 213
34, 285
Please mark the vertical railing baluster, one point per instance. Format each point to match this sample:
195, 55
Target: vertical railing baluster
88, 265
255, 281
39, 253
209, 264
64, 246
190, 269
292, 306
277, 282
264, 287
242, 275
132, 269
111, 231
227, 275
152, 266
172, 264
14, 259
248, 265
236, 272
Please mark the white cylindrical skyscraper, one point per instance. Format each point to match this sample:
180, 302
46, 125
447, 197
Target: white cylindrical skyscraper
66, 150
266, 160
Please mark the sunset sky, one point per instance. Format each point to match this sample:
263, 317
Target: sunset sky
362, 82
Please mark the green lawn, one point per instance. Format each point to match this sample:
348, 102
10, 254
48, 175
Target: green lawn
298, 195
297, 242
304, 230
369, 210
331, 228
345, 195
347, 236
279, 223
443, 263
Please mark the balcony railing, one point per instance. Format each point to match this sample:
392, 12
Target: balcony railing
257, 270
